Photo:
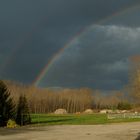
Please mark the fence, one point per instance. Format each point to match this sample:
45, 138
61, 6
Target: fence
123, 115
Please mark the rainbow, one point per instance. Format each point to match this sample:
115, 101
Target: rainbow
55, 57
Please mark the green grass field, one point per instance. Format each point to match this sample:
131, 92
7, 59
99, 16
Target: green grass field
45, 119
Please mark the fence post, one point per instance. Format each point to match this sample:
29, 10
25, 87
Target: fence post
124, 115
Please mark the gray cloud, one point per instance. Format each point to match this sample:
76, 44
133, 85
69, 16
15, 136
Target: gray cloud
98, 55
39, 29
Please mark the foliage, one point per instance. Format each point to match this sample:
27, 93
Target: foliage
23, 114
124, 106
134, 79
47, 100
11, 124
7, 107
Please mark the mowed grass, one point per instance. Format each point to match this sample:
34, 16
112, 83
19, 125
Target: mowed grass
81, 119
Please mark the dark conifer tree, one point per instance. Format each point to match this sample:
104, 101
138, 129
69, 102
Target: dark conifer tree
7, 107
23, 114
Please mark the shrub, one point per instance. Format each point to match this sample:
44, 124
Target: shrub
11, 124
124, 106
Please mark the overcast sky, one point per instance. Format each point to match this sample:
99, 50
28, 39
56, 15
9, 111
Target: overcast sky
33, 31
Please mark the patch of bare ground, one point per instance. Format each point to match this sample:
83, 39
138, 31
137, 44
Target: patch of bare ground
122, 131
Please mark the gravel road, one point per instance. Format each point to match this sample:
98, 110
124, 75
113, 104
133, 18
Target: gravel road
123, 131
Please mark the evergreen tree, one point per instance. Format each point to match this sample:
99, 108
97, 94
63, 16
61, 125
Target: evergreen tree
23, 114
7, 107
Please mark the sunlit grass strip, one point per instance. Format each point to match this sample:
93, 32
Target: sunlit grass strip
45, 119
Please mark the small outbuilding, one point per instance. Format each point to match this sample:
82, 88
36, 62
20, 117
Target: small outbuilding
60, 111
105, 111
88, 111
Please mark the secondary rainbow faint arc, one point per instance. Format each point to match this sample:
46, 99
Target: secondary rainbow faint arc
58, 54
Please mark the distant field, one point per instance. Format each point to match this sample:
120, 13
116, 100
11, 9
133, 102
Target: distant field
82, 119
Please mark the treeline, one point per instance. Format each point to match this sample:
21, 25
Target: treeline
46, 100
114, 100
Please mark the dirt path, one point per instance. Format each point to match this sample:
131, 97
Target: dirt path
125, 131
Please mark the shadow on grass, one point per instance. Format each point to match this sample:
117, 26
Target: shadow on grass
138, 138
57, 121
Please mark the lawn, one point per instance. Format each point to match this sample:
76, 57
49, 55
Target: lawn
81, 119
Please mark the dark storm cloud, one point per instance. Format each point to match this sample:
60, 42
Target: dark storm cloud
40, 28
99, 58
